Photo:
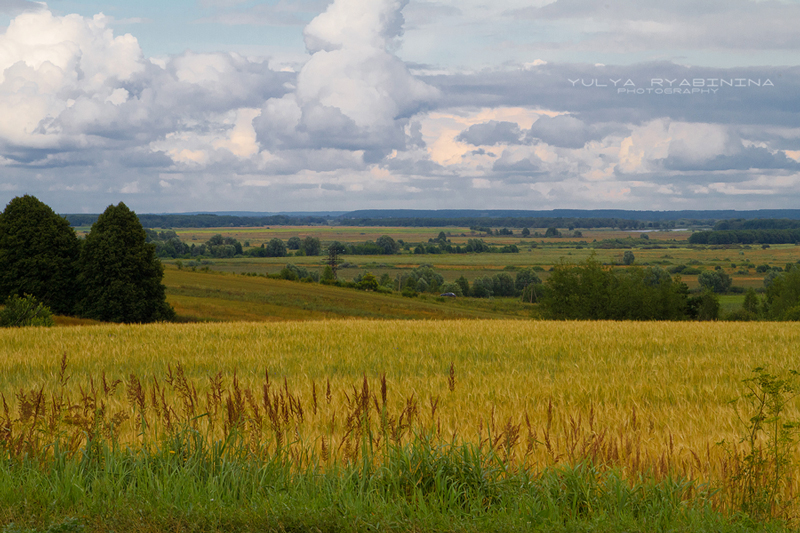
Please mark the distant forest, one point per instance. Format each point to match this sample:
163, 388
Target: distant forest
209, 221
562, 218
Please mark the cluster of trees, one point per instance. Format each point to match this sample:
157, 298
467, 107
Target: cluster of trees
747, 236
112, 275
588, 291
756, 223
169, 245
425, 279
473, 246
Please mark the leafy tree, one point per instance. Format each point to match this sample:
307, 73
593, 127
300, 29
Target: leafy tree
503, 285
783, 294
453, 287
580, 292
121, 276
294, 243
39, 254
25, 311
750, 304
387, 245
628, 257
464, 284
386, 280
311, 246
483, 287
328, 276
708, 308
716, 281
552, 232
422, 285
655, 276
526, 232
524, 278
276, 248
216, 240
368, 282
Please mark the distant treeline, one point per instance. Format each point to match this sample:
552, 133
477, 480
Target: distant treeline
518, 222
563, 218
207, 221
764, 223
752, 236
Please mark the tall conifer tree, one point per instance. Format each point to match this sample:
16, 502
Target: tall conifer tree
120, 273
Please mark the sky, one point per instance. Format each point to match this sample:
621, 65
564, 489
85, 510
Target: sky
316, 105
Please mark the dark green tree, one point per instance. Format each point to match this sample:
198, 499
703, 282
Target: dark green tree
39, 254
628, 257
464, 284
311, 246
715, 280
783, 295
387, 245
524, 278
368, 282
581, 292
120, 274
751, 304
276, 248
708, 306
294, 243
503, 285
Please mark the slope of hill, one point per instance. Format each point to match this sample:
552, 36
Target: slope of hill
210, 296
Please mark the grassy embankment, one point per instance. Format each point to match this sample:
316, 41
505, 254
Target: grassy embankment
540, 425
210, 296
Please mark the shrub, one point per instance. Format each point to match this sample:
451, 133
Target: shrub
25, 311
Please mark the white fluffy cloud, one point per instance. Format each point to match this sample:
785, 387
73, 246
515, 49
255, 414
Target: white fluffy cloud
50, 65
353, 92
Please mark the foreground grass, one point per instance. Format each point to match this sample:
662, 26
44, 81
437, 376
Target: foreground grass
363, 425
185, 485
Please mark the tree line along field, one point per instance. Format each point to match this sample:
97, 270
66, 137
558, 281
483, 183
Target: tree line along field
666, 249
647, 399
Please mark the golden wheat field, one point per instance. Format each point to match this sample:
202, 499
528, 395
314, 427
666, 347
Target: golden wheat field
642, 396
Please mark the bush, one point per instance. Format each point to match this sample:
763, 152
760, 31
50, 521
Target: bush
25, 311
409, 292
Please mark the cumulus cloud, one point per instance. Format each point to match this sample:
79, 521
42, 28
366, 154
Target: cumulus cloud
353, 93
